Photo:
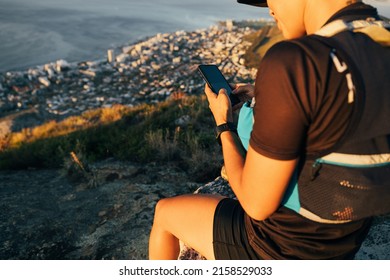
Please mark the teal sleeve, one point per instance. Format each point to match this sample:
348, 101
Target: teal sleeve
245, 124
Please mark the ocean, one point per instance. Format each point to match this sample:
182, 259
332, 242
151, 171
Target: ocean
35, 32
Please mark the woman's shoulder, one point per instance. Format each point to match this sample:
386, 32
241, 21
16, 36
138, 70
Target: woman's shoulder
303, 52
297, 47
284, 48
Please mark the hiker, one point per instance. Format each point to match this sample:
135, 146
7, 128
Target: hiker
317, 168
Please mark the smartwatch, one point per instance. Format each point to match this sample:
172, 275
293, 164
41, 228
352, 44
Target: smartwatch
222, 128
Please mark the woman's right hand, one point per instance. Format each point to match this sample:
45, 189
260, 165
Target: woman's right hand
244, 92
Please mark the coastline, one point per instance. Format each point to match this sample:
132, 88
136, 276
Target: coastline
148, 71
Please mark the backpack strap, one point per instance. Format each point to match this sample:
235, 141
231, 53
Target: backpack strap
377, 30
347, 67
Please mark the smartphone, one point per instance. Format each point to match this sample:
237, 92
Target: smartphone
216, 81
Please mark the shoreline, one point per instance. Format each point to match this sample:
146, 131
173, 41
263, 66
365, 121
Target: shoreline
149, 70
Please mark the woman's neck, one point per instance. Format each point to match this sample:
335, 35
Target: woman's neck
317, 12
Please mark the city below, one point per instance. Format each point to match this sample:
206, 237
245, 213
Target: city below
145, 72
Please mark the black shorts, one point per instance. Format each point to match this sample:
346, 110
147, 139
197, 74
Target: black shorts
230, 240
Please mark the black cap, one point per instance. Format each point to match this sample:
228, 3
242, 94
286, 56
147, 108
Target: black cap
257, 3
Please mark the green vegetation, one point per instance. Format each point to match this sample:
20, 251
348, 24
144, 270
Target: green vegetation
261, 41
178, 131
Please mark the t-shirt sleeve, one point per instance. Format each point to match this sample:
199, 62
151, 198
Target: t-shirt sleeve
285, 79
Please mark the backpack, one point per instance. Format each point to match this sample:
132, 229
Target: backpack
339, 186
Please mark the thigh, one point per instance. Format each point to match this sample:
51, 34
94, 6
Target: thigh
190, 219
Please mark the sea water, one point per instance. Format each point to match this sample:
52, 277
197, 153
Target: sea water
35, 32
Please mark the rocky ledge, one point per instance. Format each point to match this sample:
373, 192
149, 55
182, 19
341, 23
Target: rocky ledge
48, 214
51, 214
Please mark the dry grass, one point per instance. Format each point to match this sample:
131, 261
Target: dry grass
145, 133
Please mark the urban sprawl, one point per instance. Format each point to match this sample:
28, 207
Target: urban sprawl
148, 71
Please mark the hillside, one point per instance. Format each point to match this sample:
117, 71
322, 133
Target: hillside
178, 131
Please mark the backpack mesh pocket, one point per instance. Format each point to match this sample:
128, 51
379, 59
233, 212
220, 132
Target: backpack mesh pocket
344, 193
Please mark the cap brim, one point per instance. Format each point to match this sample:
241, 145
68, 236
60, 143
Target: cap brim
257, 3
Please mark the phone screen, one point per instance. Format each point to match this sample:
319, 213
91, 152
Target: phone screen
216, 81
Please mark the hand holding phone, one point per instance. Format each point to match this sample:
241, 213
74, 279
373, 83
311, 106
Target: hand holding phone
216, 81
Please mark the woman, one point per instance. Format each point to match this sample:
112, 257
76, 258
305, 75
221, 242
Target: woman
310, 111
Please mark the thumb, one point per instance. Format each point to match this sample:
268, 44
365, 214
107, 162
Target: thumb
223, 94
223, 91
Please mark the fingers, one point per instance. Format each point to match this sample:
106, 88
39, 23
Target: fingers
212, 95
219, 105
246, 89
244, 92
236, 86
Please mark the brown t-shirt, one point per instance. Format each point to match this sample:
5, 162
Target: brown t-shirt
301, 106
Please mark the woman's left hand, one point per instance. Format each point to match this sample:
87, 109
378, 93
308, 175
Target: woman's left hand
219, 105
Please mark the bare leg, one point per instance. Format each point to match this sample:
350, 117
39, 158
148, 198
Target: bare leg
188, 218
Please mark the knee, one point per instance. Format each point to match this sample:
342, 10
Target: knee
160, 211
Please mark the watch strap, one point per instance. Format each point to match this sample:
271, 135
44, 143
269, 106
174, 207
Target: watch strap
222, 128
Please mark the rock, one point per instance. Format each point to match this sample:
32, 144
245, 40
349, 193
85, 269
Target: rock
51, 217
183, 121
112, 177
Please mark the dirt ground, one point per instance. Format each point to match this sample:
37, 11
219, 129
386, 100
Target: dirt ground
47, 214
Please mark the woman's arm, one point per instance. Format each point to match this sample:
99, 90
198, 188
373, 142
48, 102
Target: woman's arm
259, 182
